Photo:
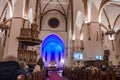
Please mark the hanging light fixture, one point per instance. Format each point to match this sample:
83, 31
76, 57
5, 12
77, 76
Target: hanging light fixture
111, 34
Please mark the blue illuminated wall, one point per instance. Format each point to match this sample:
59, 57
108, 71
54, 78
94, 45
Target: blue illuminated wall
53, 49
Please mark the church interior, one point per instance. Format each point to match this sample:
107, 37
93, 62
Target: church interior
61, 35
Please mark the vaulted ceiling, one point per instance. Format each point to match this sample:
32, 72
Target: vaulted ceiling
109, 10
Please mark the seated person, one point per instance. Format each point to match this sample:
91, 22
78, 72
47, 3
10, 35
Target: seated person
10, 69
31, 67
24, 66
37, 68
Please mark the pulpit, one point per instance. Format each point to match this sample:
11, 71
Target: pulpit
28, 38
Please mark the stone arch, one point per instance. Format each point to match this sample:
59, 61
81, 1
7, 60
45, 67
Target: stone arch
53, 50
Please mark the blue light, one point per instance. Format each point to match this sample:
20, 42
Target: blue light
53, 49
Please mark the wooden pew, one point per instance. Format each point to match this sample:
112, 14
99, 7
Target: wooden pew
41, 75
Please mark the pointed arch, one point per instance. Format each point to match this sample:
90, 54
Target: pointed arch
53, 49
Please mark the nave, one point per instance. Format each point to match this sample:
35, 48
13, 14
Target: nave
56, 75
77, 73
10, 69
63, 33
41, 75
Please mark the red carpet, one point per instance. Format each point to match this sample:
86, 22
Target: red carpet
55, 76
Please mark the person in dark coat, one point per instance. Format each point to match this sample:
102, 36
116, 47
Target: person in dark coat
10, 69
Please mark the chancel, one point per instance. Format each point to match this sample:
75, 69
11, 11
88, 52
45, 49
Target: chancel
60, 39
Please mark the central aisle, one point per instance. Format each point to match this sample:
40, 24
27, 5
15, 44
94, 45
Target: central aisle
55, 75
